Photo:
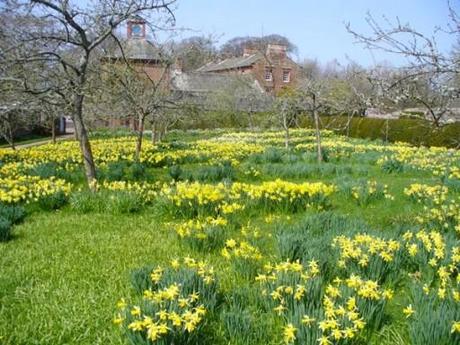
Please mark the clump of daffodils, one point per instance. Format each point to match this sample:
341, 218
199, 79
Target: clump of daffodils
242, 250
170, 312
30, 188
423, 193
364, 193
370, 255
196, 228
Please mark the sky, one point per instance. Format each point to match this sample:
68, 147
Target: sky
316, 27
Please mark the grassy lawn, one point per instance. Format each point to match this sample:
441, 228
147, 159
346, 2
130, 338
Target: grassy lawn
63, 271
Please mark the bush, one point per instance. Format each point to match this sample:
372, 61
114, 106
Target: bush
5, 229
414, 131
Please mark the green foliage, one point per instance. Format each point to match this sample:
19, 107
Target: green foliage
270, 155
175, 172
190, 280
214, 238
413, 131
115, 202
9, 216
5, 229
214, 173
52, 169
242, 327
86, 202
14, 214
391, 166
432, 321
124, 202
311, 237
124, 171
53, 202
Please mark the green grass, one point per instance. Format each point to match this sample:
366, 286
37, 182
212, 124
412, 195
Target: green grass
63, 272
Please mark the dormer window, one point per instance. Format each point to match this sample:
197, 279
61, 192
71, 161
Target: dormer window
268, 74
286, 75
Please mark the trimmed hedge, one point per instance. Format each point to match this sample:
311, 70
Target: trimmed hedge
413, 131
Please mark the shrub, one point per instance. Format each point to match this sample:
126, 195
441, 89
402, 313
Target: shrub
416, 132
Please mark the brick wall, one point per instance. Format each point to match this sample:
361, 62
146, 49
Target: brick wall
275, 59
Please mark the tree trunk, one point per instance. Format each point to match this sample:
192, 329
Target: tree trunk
53, 131
140, 136
286, 132
85, 147
154, 133
317, 132
251, 121
11, 138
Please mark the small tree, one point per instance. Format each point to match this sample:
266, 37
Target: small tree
287, 108
430, 76
131, 91
65, 37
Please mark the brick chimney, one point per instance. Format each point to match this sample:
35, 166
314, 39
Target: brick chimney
278, 50
249, 50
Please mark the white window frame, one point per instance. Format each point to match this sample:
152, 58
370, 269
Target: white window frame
268, 74
286, 72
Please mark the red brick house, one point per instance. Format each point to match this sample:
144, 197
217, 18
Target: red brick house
273, 68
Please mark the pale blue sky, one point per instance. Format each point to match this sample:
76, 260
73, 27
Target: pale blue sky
316, 27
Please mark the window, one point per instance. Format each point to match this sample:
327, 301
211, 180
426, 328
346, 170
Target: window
268, 74
286, 75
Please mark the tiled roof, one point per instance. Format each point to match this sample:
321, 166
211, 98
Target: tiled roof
231, 63
208, 82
